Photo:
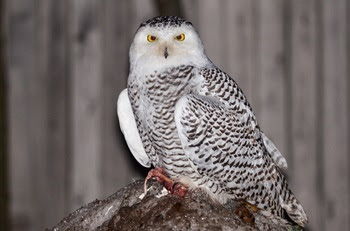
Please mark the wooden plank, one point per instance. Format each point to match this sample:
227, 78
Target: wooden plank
4, 195
271, 63
165, 7
38, 120
348, 91
56, 162
210, 30
191, 12
303, 173
20, 37
336, 118
85, 39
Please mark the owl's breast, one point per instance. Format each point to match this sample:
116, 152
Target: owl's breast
153, 98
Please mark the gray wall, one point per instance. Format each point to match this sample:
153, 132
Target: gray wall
67, 61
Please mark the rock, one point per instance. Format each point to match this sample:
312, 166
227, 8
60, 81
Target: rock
126, 211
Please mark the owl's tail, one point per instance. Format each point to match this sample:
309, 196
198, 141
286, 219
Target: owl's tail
294, 209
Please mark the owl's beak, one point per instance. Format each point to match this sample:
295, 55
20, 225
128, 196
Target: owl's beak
166, 54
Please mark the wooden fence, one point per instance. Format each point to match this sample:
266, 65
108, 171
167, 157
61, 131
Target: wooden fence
67, 61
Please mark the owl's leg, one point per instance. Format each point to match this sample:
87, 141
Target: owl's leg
173, 187
244, 211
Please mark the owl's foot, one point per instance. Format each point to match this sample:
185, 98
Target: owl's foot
173, 187
244, 212
178, 189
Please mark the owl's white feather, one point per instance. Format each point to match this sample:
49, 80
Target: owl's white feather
128, 127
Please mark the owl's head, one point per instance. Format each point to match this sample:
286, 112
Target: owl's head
166, 41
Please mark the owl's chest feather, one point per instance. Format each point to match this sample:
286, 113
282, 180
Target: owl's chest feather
155, 95
159, 100
154, 98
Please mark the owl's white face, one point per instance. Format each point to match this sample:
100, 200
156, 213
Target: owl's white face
157, 48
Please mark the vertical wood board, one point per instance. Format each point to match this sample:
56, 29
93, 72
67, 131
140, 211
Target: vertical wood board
272, 88
86, 108
304, 102
210, 30
20, 31
336, 119
57, 111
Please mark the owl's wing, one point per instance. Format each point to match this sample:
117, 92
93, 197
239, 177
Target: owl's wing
221, 86
216, 140
230, 152
129, 129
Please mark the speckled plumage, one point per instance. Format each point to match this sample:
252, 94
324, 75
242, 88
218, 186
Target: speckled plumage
161, 22
196, 123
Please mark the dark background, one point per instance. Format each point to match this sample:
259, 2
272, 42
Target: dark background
63, 64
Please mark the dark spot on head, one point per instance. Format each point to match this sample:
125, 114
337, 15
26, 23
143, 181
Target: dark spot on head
165, 21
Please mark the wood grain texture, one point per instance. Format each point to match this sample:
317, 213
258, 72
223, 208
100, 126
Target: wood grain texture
165, 7
116, 43
4, 191
304, 99
21, 70
37, 161
85, 38
336, 118
210, 17
191, 12
44, 195
271, 70
57, 155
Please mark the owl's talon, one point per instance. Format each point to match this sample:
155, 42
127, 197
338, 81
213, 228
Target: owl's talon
179, 189
160, 175
152, 173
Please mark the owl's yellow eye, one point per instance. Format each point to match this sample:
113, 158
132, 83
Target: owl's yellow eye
151, 38
180, 37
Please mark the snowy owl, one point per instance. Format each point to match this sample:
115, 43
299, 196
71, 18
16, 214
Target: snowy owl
191, 122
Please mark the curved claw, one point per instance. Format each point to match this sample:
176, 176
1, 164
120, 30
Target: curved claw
179, 189
160, 175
